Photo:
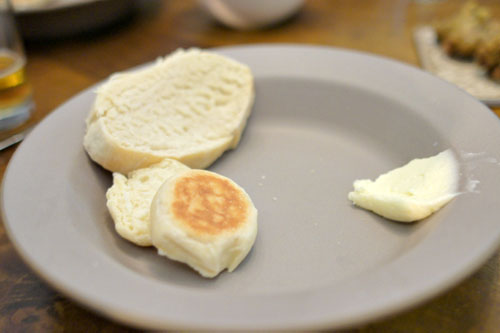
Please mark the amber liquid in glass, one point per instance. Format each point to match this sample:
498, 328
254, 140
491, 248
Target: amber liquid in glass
15, 92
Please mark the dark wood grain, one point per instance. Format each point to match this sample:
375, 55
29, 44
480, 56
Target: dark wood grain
59, 69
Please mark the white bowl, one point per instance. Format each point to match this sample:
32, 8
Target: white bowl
253, 14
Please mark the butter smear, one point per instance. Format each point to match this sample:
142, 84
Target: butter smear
411, 192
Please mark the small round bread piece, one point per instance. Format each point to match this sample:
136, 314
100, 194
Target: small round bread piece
205, 220
129, 199
190, 106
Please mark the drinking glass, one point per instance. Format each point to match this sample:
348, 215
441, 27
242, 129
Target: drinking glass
16, 102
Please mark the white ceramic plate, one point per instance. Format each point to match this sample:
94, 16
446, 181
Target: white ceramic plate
323, 117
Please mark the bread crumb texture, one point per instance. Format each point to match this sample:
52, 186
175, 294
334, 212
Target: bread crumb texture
129, 199
190, 106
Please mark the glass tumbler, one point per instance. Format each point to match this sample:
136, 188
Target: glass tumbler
16, 102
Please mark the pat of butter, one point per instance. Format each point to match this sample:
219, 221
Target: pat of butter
411, 192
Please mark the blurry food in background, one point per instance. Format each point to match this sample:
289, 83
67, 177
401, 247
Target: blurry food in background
464, 73
472, 33
461, 34
254, 14
488, 51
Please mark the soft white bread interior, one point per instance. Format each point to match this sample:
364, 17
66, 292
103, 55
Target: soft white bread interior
190, 106
204, 220
129, 198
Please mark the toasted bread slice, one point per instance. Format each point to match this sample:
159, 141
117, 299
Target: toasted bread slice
204, 220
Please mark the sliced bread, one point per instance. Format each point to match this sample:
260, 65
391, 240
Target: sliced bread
129, 198
190, 106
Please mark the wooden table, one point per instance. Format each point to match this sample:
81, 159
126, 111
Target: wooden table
60, 69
